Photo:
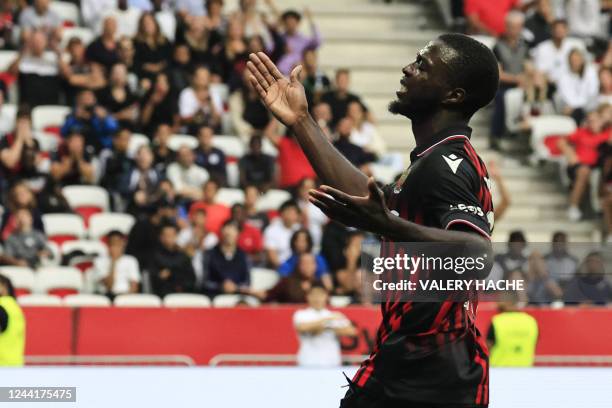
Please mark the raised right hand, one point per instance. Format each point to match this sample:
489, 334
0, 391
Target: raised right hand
285, 98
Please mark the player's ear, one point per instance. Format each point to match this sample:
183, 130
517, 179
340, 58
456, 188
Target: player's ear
454, 97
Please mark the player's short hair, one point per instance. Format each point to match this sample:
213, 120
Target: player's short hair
474, 68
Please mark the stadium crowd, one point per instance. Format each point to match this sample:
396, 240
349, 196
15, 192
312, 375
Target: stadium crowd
152, 96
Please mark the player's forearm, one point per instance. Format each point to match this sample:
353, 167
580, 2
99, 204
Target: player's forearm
329, 164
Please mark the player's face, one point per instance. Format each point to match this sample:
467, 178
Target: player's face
424, 84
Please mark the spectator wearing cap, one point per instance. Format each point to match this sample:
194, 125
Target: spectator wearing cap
248, 114
116, 273
169, 267
92, 121
37, 72
301, 242
226, 265
488, 17
139, 185
210, 157
277, 236
295, 41
73, 163
256, 167
250, 239
186, 177
26, 245
339, 97
217, 213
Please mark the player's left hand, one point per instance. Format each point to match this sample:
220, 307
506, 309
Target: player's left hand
368, 213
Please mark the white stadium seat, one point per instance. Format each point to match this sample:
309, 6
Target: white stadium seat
268, 148
549, 125
233, 173
263, 278
339, 301
136, 141
229, 196
45, 116
383, 173
21, 277
220, 89
39, 300
234, 300
178, 141
67, 12
186, 300
86, 35
48, 142
10, 110
86, 196
63, 224
89, 247
272, 199
137, 300
6, 59
232, 146
103, 223
513, 105
86, 300
59, 279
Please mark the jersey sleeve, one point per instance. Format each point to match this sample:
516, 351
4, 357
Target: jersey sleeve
451, 195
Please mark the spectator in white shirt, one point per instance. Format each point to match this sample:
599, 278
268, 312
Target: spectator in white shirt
364, 133
551, 56
39, 17
578, 87
126, 16
116, 273
318, 329
188, 101
186, 177
277, 236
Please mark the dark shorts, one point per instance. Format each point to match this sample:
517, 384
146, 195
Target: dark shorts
571, 170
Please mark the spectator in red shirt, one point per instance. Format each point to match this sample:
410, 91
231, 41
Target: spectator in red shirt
487, 16
581, 152
250, 239
292, 162
217, 213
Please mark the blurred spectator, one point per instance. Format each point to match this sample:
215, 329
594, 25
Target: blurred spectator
512, 53
349, 276
39, 17
584, 17
248, 114
578, 86
254, 21
315, 81
186, 177
126, 16
322, 114
226, 265
295, 41
488, 17
103, 50
318, 329
364, 133
165, 18
26, 245
179, 72
551, 56
200, 40
164, 156
116, 273
19, 197
312, 216
114, 162
560, 263
301, 242
158, 106
195, 240
92, 121
126, 52
37, 72
230, 55
77, 73
152, 48
352, 152
197, 105
217, 213
73, 163
250, 239
255, 217
293, 288
257, 168
139, 184
170, 268
513, 260
143, 236
589, 286
339, 97
277, 236
334, 240
541, 287
580, 151
118, 99
292, 162
605, 86
215, 20
538, 24
499, 209
210, 157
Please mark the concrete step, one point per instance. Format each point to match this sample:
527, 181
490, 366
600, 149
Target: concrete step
544, 236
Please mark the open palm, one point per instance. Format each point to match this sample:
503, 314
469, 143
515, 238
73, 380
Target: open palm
285, 98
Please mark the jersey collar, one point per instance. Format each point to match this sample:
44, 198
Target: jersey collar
448, 134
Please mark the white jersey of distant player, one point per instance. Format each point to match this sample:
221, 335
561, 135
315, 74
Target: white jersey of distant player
323, 349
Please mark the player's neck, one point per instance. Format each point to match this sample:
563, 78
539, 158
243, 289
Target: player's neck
426, 128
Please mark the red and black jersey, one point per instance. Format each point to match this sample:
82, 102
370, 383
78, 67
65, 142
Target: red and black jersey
432, 351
